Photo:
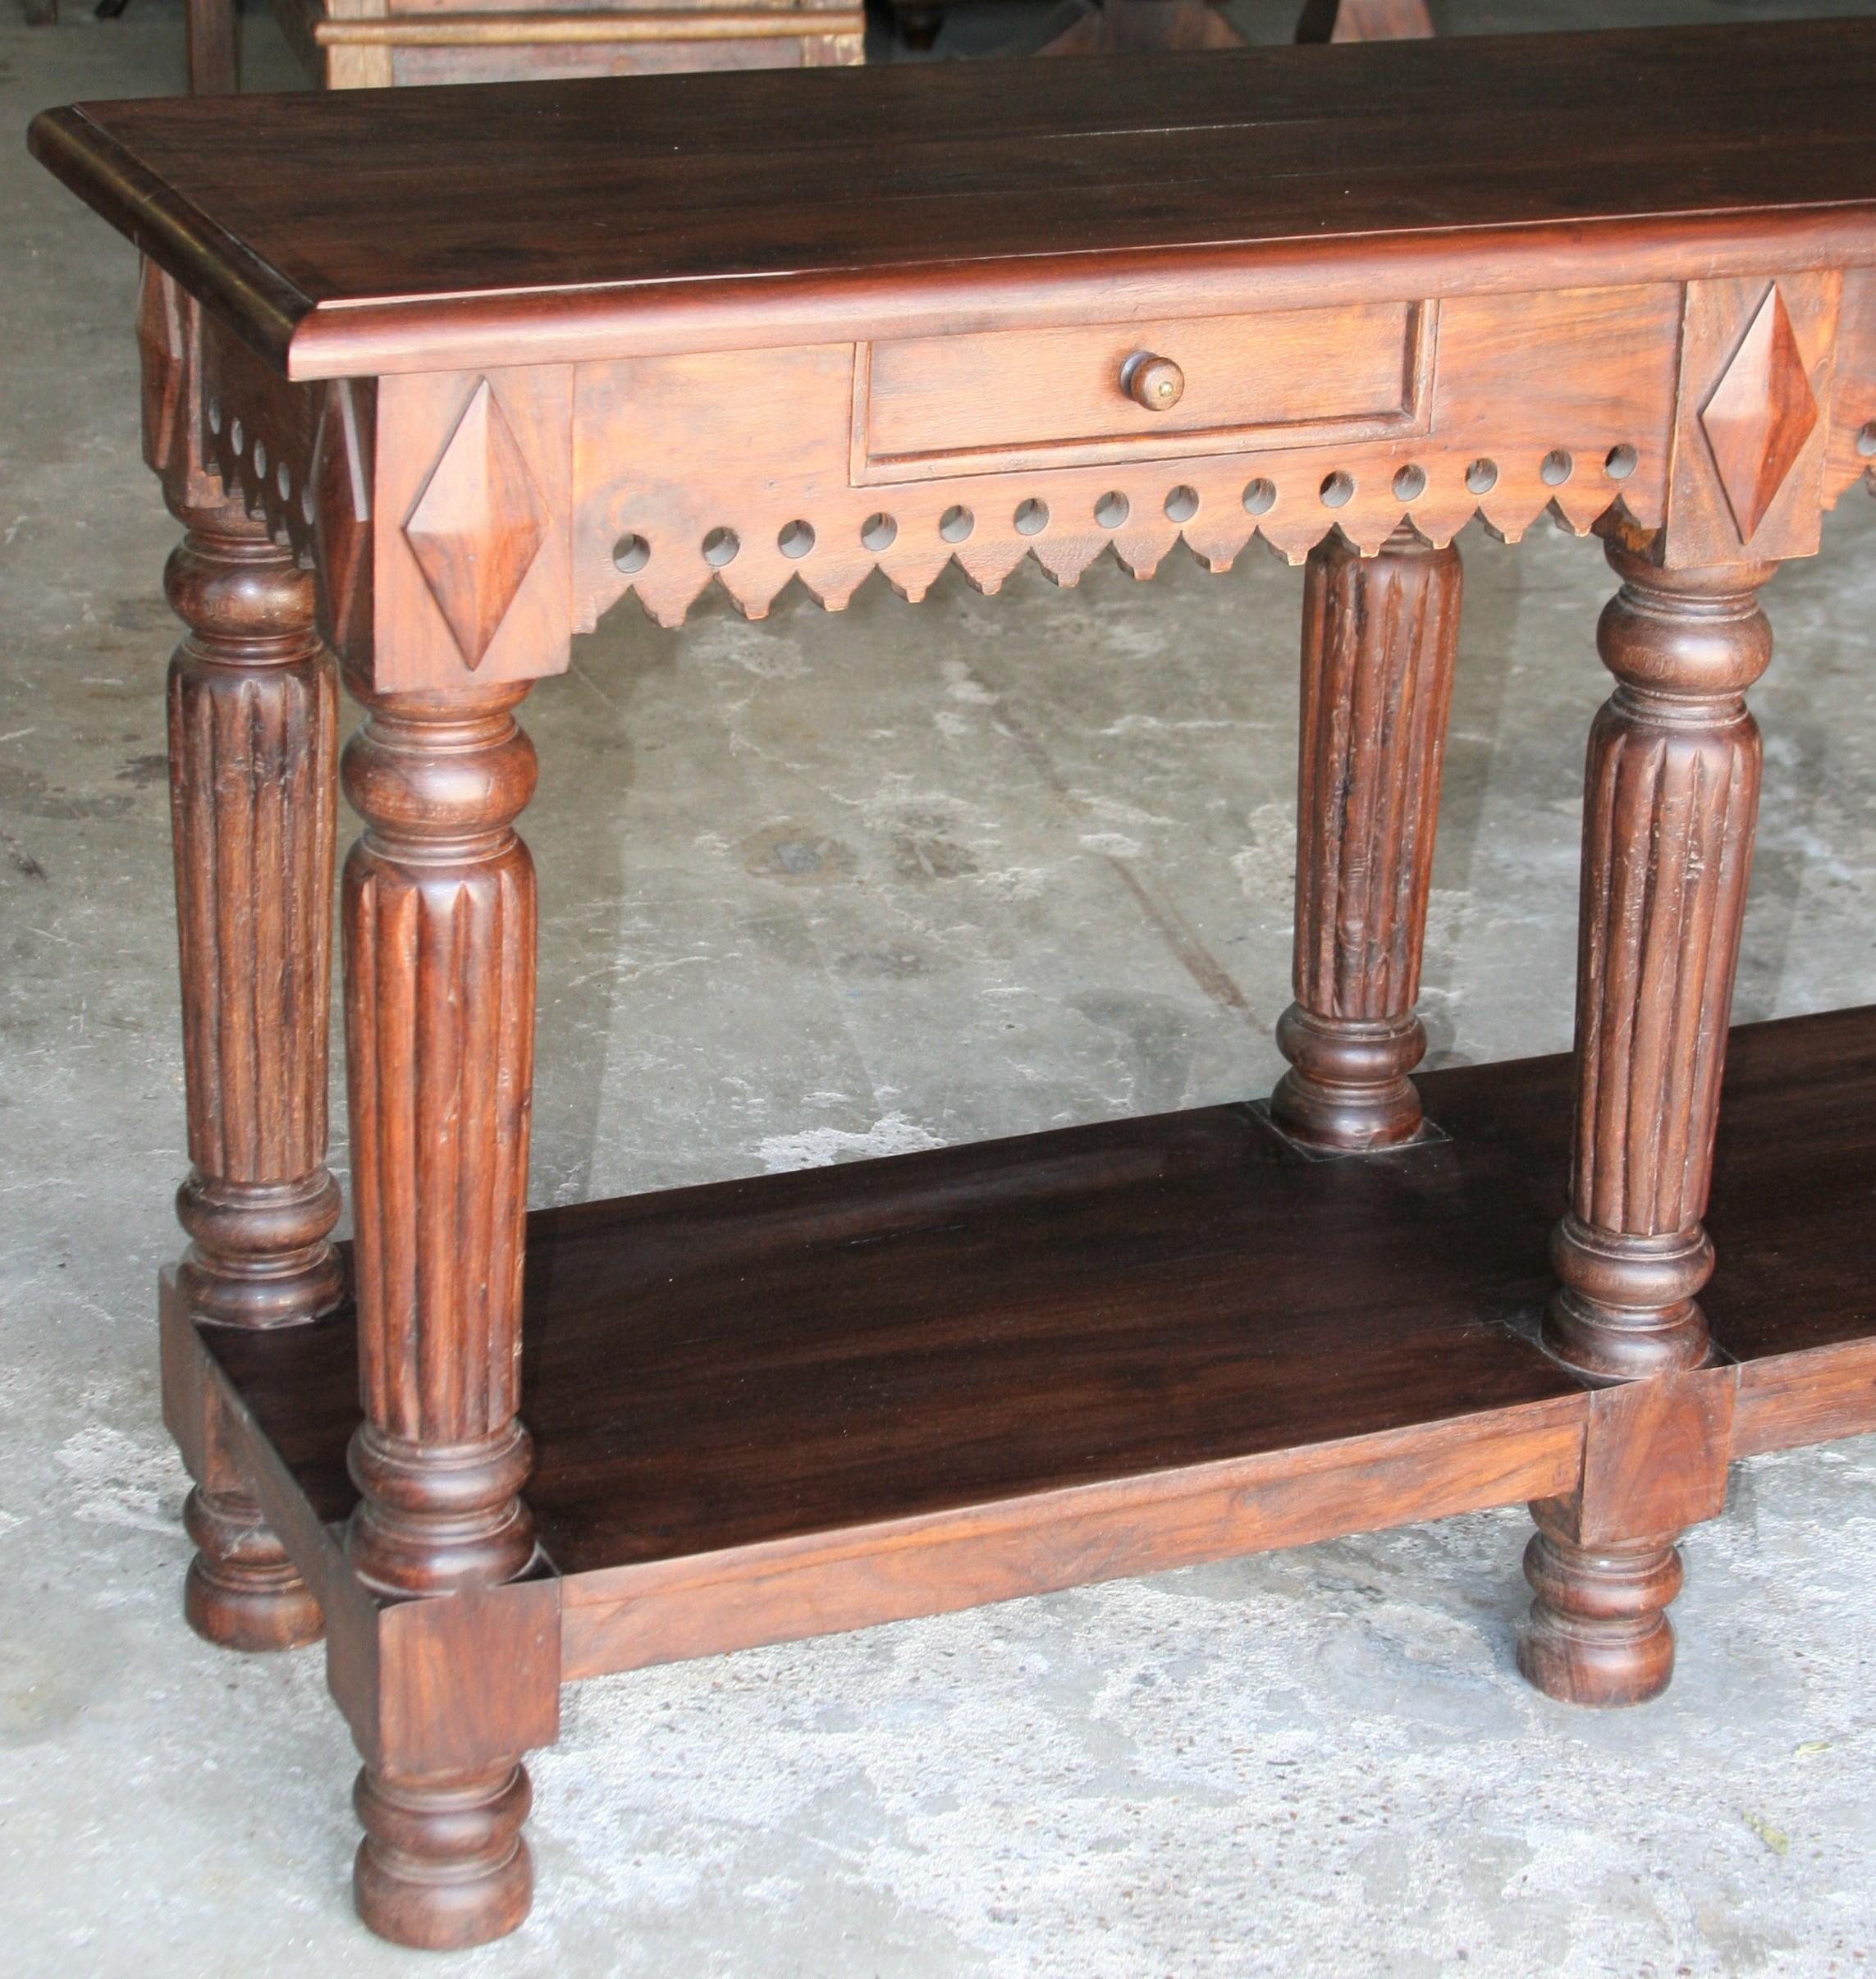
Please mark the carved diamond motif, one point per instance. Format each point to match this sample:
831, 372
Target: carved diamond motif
477, 525
1760, 414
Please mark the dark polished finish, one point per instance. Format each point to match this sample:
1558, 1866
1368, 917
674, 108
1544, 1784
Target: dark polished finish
439, 915
251, 734
977, 1324
1669, 810
972, 1327
1381, 635
443, 1864
483, 362
774, 188
1598, 1632
439, 908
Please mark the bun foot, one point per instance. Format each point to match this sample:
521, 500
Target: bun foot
242, 1591
443, 1864
1598, 1633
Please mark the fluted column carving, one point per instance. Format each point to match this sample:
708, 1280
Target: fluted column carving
439, 913
1670, 799
1380, 635
440, 931
252, 705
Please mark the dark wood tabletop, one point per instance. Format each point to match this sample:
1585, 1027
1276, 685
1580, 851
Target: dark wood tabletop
732, 192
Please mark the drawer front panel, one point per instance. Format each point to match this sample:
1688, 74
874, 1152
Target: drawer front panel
926, 407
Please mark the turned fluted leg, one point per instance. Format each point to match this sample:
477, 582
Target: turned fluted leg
252, 698
1670, 799
1380, 635
439, 927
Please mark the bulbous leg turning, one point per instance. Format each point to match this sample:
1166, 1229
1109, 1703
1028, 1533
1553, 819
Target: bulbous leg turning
440, 932
1670, 794
253, 800
443, 1864
241, 1590
1597, 1633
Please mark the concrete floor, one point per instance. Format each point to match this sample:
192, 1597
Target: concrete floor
833, 885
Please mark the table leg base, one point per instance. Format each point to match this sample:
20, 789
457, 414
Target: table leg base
986, 1372
1598, 1633
241, 1590
443, 1864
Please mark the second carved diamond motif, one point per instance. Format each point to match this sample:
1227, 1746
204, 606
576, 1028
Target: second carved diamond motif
477, 525
1760, 414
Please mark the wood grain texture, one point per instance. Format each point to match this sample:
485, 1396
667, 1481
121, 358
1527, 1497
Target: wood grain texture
1750, 431
341, 65
1811, 1396
443, 1864
252, 697
245, 1589
1759, 415
430, 1688
345, 466
782, 1590
477, 525
440, 935
1603, 1564
258, 434
939, 406
1655, 1453
1598, 1633
892, 1433
253, 798
370, 44
1670, 804
668, 451
1379, 638
585, 341
469, 511
788, 207
169, 351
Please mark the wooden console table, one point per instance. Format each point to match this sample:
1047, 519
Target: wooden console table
432, 379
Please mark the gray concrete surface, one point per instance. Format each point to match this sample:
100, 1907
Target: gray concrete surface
833, 885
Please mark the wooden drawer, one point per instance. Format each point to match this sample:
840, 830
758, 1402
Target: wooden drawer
925, 407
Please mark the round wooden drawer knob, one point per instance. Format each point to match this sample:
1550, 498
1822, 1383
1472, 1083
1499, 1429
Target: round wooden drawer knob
1155, 382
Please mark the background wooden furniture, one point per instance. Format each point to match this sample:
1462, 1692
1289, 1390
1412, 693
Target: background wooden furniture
423, 401
372, 43
353, 43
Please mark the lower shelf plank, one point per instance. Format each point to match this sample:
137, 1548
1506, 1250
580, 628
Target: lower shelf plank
774, 1408
623, 1618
